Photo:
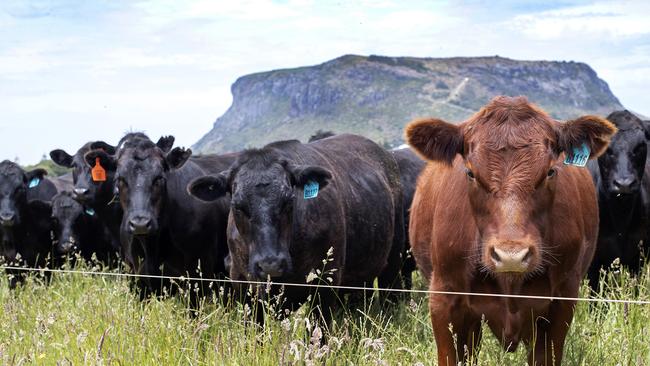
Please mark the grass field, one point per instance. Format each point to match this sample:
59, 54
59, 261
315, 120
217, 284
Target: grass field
86, 319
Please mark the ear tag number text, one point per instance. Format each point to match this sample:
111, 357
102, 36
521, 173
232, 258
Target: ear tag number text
580, 156
311, 190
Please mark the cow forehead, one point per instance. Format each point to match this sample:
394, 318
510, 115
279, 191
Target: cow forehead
267, 181
509, 170
626, 139
10, 171
135, 167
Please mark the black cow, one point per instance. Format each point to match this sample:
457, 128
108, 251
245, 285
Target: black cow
99, 196
410, 165
77, 228
96, 196
24, 220
334, 205
163, 230
622, 180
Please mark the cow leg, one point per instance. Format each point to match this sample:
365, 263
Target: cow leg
391, 276
462, 341
549, 342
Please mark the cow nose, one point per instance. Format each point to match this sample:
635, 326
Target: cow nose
624, 185
7, 218
140, 225
271, 266
66, 247
80, 192
511, 260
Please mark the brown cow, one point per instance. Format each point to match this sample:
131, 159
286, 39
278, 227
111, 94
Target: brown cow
497, 211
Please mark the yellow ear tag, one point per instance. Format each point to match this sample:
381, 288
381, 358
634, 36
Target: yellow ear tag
98, 173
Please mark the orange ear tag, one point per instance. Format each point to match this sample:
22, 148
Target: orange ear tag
98, 173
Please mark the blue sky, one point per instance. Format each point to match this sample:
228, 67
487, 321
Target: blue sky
73, 71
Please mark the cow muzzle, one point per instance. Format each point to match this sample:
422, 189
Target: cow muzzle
273, 266
511, 258
7, 219
140, 226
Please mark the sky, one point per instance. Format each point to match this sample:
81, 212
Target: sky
73, 71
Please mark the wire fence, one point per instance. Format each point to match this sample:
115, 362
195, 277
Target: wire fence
326, 286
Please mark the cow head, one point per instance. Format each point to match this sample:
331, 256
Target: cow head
512, 157
14, 183
86, 190
623, 163
14, 207
263, 187
69, 219
140, 179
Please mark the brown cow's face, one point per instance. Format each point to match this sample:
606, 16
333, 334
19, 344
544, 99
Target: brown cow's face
512, 155
511, 190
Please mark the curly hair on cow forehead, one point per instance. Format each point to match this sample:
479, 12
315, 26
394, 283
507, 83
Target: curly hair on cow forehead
510, 122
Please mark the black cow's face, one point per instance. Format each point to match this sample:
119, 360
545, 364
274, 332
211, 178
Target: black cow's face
263, 193
86, 190
623, 163
140, 180
68, 220
14, 183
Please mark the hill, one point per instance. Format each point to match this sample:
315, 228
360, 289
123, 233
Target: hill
376, 96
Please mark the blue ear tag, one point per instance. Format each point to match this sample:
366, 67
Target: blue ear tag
311, 190
90, 212
34, 182
580, 156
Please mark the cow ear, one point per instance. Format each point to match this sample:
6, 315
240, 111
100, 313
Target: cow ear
165, 143
62, 158
177, 157
107, 161
593, 131
303, 174
35, 174
101, 145
435, 140
210, 187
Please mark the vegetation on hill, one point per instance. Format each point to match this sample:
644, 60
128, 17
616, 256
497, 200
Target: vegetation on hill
53, 170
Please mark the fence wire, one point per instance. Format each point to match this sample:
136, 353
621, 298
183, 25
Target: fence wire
326, 286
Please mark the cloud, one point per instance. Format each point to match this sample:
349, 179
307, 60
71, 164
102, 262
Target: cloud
166, 66
611, 20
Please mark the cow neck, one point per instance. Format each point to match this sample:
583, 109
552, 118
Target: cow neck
511, 286
620, 210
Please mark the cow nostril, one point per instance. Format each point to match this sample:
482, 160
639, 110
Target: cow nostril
527, 256
494, 255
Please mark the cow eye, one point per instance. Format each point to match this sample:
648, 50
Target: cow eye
638, 150
470, 174
609, 152
551, 173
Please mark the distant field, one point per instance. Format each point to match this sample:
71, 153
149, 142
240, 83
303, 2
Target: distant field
84, 319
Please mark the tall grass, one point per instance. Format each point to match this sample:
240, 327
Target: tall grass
86, 319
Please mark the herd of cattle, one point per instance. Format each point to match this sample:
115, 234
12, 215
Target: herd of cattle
503, 204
